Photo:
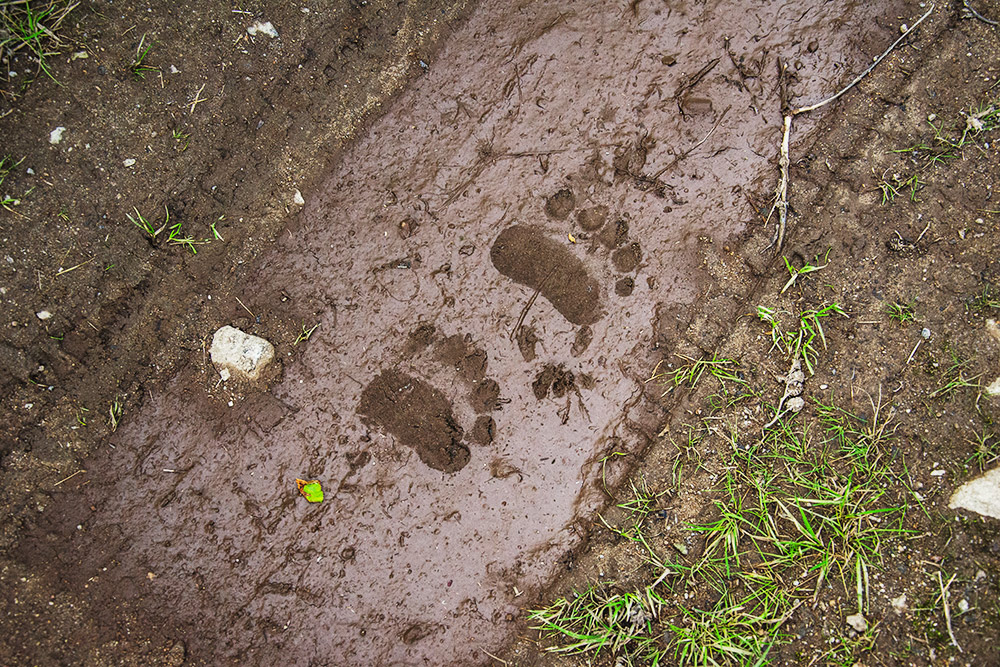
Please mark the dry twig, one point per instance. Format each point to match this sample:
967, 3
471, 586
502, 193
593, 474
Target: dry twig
973, 13
947, 609
781, 193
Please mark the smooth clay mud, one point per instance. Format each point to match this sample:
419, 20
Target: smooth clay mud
486, 266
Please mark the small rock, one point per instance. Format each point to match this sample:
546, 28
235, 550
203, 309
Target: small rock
925, 333
938, 473
241, 354
43, 315
963, 605
858, 622
981, 495
899, 604
174, 70
980, 575
129, 162
298, 199
264, 28
55, 136
993, 388
79, 55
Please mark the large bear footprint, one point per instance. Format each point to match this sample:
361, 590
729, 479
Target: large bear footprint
421, 416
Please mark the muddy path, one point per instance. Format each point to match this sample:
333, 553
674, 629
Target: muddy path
490, 268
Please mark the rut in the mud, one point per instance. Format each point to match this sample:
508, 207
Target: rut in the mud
522, 211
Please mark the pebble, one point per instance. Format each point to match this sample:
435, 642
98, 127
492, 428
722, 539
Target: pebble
858, 622
899, 604
925, 333
237, 353
43, 315
262, 28
981, 495
129, 162
55, 136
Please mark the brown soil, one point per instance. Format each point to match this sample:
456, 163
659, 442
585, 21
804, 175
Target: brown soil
476, 183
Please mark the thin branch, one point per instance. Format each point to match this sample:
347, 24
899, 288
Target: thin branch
781, 193
975, 14
867, 71
947, 610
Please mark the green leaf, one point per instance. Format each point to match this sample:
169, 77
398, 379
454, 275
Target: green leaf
312, 490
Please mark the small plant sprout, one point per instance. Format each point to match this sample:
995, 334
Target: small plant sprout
183, 139
954, 377
802, 340
7, 165
900, 312
145, 225
988, 298
806, 269
215, 232
81, 416
897, 185
174, 237
987, 450
139, 67
306, 334
115, 413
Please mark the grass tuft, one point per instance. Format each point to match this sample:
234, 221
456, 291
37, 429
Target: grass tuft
32, 27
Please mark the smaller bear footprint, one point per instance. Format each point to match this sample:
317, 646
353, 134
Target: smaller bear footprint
421, 416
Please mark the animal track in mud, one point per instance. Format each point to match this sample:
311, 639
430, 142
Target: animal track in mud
561, 382
421, 416
527, 255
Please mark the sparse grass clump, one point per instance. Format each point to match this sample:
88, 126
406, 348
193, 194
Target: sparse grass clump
691, 371
801, 340
984, 301
175, 234
900, 312
32, 27
139, 67
603, 619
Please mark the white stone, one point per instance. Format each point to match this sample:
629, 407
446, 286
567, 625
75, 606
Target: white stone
981, 495
858, 622
55, 136
899, 604
239, 353
264, 28
129, 162
993, 388
298, 199
43, 315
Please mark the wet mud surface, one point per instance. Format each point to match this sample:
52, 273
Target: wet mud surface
486, 266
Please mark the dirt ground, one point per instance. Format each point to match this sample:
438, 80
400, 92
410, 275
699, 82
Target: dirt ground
532, 336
